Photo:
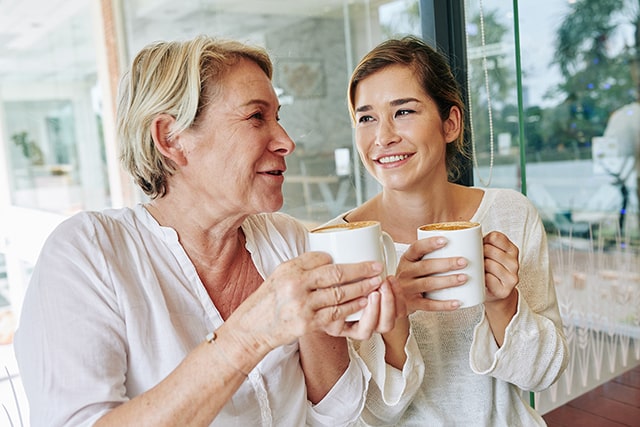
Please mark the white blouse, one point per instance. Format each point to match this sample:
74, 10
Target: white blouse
115, 304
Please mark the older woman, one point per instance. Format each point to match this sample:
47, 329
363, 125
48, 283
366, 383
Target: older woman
115, 317
441, 364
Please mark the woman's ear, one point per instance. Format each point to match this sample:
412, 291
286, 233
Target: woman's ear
453, 124
169, 145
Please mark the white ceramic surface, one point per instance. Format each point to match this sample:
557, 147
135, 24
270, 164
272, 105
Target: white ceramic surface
467, 243
351, 245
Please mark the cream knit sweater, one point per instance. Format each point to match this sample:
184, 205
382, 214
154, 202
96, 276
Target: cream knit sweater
455, 374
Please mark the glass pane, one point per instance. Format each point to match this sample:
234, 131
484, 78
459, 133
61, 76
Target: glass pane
314, 46
580, 126
581, 159
574, 77
51, 113
493, 109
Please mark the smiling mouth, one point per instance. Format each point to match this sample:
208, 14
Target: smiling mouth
391, 159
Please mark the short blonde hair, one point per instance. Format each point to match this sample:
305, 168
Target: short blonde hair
175, 78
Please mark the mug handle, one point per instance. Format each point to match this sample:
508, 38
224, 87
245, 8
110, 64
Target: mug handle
390, 256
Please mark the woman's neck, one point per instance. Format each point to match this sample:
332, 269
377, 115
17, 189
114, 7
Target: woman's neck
206, 241
218, 253
401, 213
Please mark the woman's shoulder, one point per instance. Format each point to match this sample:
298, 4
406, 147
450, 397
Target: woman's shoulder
506, 197
507, 206
274, 237
84, 234
366, 211
340, 219
274, 223
91, 223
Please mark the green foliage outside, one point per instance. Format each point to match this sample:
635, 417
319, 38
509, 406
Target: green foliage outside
596, 80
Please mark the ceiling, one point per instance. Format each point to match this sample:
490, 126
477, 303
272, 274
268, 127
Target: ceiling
42, 38
52, 40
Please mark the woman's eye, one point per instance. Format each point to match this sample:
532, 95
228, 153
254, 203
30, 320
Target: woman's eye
364, 119
258, 116
404, 112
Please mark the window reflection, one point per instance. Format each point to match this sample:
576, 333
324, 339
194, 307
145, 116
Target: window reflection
43, 160
574, 77
50, 113
568, 145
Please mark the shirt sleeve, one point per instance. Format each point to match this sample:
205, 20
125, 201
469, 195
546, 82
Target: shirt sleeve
74, 369
390, 390
534, 351
336, 410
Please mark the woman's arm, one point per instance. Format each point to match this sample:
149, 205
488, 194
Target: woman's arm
324, 359
196, 391
530, 349
294, 301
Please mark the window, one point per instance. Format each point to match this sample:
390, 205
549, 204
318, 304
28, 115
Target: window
554, 104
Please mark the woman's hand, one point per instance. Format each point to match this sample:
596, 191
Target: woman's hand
415, 277
501, 267
308, 294
379, 315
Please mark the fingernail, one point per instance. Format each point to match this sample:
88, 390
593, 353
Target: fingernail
462, 278
461, 262
441, 241
376, 266
456, 304
385, 288
375, 281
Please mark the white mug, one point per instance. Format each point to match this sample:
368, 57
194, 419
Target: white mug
355, 242
464, 239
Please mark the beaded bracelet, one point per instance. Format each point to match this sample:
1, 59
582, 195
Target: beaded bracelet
211, 339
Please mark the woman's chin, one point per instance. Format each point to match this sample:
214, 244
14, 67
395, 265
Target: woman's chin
273, 204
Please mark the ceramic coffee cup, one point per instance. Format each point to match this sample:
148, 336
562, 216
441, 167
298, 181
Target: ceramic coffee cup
464, 239
355, 242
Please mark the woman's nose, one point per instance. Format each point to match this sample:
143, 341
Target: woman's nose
386, 134
282, 142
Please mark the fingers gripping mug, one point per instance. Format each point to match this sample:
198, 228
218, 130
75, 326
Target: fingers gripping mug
355, 242
464, 239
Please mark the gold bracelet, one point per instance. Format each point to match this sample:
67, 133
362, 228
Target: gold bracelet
211, 339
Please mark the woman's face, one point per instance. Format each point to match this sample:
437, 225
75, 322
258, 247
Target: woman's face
399, 133
235, 155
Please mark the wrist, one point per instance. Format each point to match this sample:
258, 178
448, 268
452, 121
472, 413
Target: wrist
505, 308
240, 352
211, 339
395, 342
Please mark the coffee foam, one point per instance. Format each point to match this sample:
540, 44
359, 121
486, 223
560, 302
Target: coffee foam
449, 226
345, 226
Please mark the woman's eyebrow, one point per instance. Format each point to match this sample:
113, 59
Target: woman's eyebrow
402, 101
394, 103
